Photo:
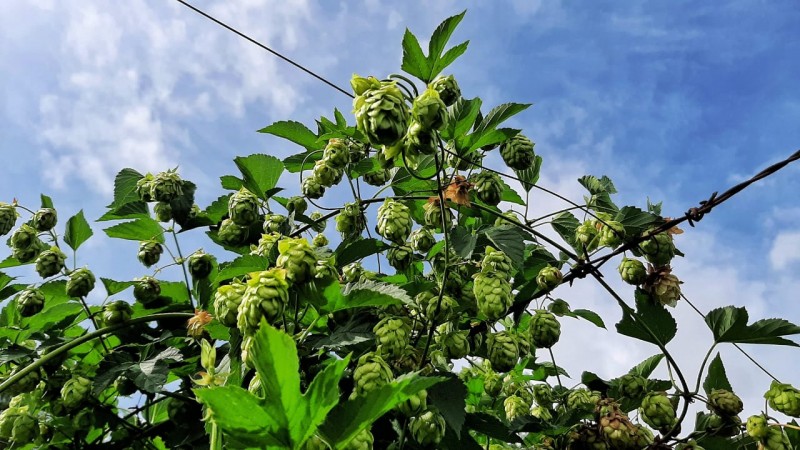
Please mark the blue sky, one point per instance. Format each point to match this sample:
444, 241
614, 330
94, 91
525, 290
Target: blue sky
672, 100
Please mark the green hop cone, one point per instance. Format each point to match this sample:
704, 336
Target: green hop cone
487, 187
381, 113
724, 403
632, 271
144, 188
507, 218
25, 244
784, 398
116, 312
351, 220
50, 262
352, 272
657, 411
298, 258
428, 428
231, 234
326, 173
447, 87
30, 302
543, 394
758, 427
18, 425
336, 153
517, 152
664, 287
541, 413
227, 299
544, 329
429, 110
296, 205
616, 428
502, 351
377, 177
266, 244
659, 249
492, 294
394, 221
371, 372
445, 310
515, 407
422, 240
358, 150
166, 186
315, 443
362, 441
400, 257
454, 343
419, 140
497, 261
319, 241
163, 211
45, 219
149, 252
312, 187
776, 440
586, 235
8, 217
611, 234
631, 386
723, 426
266, 295
361, 84
393, 335
75, 391
415, 404
80, 283
548, 278
582, 399
146, 290
318, 224
433, 213
200, 265
243, 207
276, 223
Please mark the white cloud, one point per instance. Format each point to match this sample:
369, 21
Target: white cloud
785, 249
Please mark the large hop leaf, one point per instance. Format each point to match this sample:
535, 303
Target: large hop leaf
517, 152
487, 187
544, 329
298, 258
381, 113
266, 295
492, 294
243, 207
394, 221
784, 398
429, 110
447, 87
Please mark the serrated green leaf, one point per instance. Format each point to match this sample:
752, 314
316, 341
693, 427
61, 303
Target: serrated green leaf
125, 187
115, 287
231, 183
463, 241
528, 177
295, 132
241, 266
491, 426
646, 367
361, 294
591, 316
448, 58
716, 377
491, 137
729, 324
496, 116
260, 172
461, 117
597, 185
594, 382
322, 395
77, 231
218, 208
56, 314
565, 225
414, 61
226, 405
133, 210
302, 161
366, 165
351, 251
511, 240
441, 35
137, 230
510, 195
634, 220
175, 290
648, 315
449, 397
47, 202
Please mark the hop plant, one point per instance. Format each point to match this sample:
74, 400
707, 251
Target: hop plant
440, 311
544, 329
616, 428
266, 244
30, 302
582, 399
632, 271
336, 153
377, 177
632, 386
447, 88
25, 244
319, 241
400, 257
515, 406
166, 186
416, 404
144, 188
517, 152
351, 221
429, 110
394, 221
315, 443
492, 294
146, 290
116, 312
243, 207
543, 394
428, 428
586, 437
296, 205
657, 411
45, 219
689, 445
200, 265
371, 372
548, 278
784, 398
541, 413
461, 161
150, 252
502, 351
497, 261
381, 113
8, 217
393, 334
80, 283
507, 218
611, 233
163, 211
352, 272
454, 343
664, 287
776, 440
18, 425
362, 441
724, 403
421, 240
227, 299
326, 173
298, 258
276, 223
75, 391
433, 212
587, 236
758, 427
50, 262
659, 249
487, 187
231, 234
361, 85
419, 140
723, 426
312, 187
266, 294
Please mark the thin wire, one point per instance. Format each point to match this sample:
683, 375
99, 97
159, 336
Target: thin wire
234, 30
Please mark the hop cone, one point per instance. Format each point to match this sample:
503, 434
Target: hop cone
429, 110
784, 398
393, 334
45, 219
541, 413
548, 278
116, 312
144, 188
358, 150
312, 187
276, 223
163, 211
75, 391
586, 438
166, 186
315, 443
18, 425
492, 294
362, 441
296, 205
428, 428
377, 177
394, 221
146, 290
231, 234
419, 140
422, 240
757, 427
454, 343
665, 288
30, 301
502, 351
776, 440
632, 271
298, 258
582, 399
352, 272
400, 257
433, 215
50, 262
150, 252
544, 329
326, 174
336, 153
415, 404
446, 309
319, 241
611, 234
381, 114
724, 403
25, 244
487, 187
586, 235
517, 152
508, 218
515, 406
447, 88
497, 261
265, 296
80, 283
723, 426
361, 85
617, 429
543, 395
243, 207
200, 265
266, 244
371, 372
657, 411
318, 224
8, 217
351, 220
632, 386
659, 249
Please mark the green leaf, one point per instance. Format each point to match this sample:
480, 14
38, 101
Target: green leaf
729, 324
646, 367
565, 225
511, 240
591, 316
597, 185
528, 177
491, 426
295, 132
414, 61
77, 231
260, 172
351, 417
137, 230
115, 287
366, 165
496, 116
279, 370
125, 187
648, 315
449, 397
47, 202
217, 209
463, 241
362, 293
510, 195
227, 404
461, 118
716, 378
150, 375
57, 314
351, 251
440, 37
231, 182
448, 58
634, 220
322, 395
132, 210
241, 266
302, 161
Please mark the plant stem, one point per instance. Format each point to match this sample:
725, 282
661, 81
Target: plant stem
555, 367
702, 366
183, 266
